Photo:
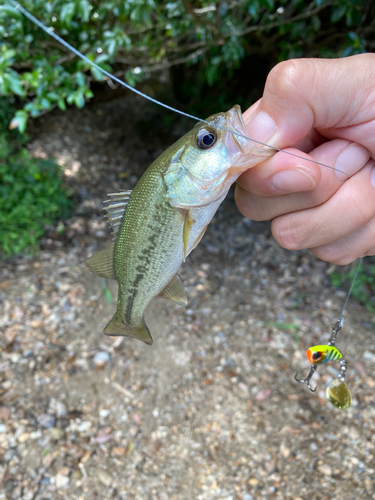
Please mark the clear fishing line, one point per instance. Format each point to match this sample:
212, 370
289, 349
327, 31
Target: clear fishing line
50, 32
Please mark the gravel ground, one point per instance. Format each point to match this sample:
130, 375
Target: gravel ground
211, 410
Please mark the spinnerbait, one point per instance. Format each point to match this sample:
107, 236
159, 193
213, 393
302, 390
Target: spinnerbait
337, 392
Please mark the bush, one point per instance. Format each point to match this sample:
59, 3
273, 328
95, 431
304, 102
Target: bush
135, 38
364, 285
31, 192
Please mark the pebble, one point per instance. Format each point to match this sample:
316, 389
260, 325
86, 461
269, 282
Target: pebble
58, 407
46, 420
3, 429
57, 433
104, 413
22, 438
101, 359
284, 450
61, 481
84, 426
104, 477
325, 469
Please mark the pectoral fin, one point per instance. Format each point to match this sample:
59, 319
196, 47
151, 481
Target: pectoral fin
101, 263
175, 291
187, 231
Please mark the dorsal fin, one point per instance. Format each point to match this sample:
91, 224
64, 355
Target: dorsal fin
115, 208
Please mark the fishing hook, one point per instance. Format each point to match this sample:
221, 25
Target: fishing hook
308, 378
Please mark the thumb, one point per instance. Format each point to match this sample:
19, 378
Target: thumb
326, 94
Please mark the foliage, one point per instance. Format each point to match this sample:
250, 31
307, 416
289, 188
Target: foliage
135, 38
31, 192
364, 285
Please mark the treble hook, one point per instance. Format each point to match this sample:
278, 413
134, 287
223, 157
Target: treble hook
308, 378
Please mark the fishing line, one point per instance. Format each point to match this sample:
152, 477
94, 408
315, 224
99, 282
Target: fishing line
341, 319
50, 32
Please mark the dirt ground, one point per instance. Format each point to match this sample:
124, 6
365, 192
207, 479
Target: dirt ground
211, 411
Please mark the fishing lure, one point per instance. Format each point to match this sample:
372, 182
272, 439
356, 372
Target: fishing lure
337, 392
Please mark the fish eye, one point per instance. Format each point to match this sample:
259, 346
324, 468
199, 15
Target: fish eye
206, 138
316, 355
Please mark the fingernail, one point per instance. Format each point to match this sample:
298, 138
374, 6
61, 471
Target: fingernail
351, 160
261, 126
292, 181
373, 176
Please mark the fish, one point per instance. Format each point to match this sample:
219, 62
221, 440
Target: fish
158, 224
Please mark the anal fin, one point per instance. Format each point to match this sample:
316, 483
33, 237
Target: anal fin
175, 291
101, 263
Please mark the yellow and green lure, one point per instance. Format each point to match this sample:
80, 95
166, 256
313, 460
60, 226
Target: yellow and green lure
337, 392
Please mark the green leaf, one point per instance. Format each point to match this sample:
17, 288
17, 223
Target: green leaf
84, 10
338, 13
61, 104
96, 74
10, 11
79, 100
268, 4
19, 121
14, 83
67, 13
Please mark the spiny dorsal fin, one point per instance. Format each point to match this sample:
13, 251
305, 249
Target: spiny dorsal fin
175, 291
115, 208
101, 263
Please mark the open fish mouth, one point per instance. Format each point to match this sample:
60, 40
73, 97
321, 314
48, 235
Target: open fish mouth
239, 144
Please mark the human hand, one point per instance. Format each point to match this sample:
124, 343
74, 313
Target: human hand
325, 109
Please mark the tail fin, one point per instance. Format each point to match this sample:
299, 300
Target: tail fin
117, 327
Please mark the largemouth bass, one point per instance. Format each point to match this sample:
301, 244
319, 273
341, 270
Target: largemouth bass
163, 219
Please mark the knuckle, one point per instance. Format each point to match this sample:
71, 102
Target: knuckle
287, 233
250, 206
363, 209
283, 80
333, 255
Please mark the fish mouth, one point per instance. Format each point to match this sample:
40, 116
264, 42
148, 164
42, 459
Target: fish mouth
239, 135
240, 145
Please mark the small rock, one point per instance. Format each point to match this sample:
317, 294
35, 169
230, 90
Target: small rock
57, 434
15, 357
46, 420
61, 481
325, 469
36, 323
253, 481
36, 434
104, 413
263, 394
58, 407
3, 429
284, 450
101, 359
103, 437
9, 455
22, 438
118, 451
5, 412
104, 477
84, 426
